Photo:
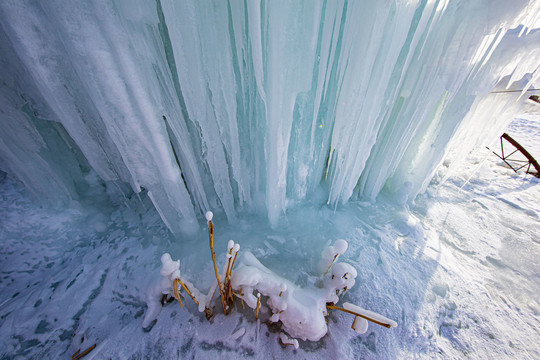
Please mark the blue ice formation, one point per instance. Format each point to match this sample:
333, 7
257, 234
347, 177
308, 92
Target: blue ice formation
256, 104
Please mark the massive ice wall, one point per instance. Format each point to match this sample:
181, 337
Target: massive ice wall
242, 105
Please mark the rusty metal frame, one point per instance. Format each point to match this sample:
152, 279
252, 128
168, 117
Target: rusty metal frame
526, 163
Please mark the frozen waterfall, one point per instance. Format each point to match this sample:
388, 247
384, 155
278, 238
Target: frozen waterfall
248, 105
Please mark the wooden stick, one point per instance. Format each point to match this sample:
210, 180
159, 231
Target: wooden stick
211, 236
84, 352
187, 290
362, 316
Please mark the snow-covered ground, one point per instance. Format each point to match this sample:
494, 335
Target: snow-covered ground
459, 272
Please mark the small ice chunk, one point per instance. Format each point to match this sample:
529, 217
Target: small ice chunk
209, 215
340, 246
274, 318
286, 341
168, 266
153, 298
165, 285
175, 274
344, 270
360, 325
236, 248
238, 333
230, 245
165, 258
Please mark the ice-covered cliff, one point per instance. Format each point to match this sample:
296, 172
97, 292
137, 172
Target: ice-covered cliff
249, 105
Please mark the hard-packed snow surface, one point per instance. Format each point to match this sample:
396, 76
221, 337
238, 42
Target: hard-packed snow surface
458, 271
253, 105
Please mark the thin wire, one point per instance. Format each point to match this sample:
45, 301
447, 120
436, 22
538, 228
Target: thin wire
509, 91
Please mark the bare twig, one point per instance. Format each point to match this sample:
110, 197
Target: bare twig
211, 237
75, 357
360, 315
187, 290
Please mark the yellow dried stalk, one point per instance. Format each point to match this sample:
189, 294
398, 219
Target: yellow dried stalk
232, 265
228, 266
211, 237
333, 261
75, 357
214, 293
186, 289
227, 290
240, 295
354, 322
257, 309
176, 294
360, 315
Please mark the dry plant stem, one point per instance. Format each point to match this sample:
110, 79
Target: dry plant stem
239, 295
287, 344
227, 282
354, 322
227, 273
84, 352
232, 265
76, 353
214, 293
211, 237
257, 309
176, 294
187, 290
333, 261
228, 276
360, 315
